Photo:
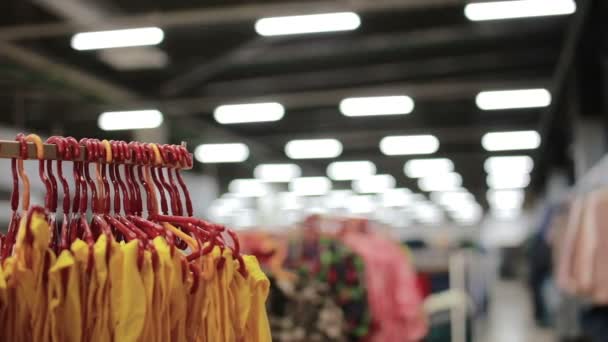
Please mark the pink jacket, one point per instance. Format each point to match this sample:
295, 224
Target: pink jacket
395, 301
582, 267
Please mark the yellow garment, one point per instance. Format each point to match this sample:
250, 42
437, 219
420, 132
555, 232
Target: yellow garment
258, 327
81, 253
178, 297
127, 293
163, 277
101, 330
9, 326
195, 308
101, 294
242, 296
213, 318
225, 276
147, 275
208, 271
28, 270
64, 303
6, 306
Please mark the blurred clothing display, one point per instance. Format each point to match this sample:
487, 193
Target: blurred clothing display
581, 269
348, 283
305, 311
571, 247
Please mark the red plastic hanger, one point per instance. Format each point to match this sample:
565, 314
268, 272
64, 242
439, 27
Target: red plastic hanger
171, 155
62, 153
185, 159
35, 139
8, 241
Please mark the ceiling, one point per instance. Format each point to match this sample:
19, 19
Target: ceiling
426, 49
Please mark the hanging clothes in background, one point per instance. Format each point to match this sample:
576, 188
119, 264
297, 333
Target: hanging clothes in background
581, 244
367, 276
541, 266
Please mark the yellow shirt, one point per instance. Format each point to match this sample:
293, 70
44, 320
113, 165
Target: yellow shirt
258, 328
147, 275
81, 253
213, 326
127, 293
101, 330
163, 278
178, 291
242, 300
28, 273
64, 302
229, 319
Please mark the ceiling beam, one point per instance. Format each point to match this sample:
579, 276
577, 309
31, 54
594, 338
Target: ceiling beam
250, 54
220, 15
76, 78
200, 73
389, 72
371, 44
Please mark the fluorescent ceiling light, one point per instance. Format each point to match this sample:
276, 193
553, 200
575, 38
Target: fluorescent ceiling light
513, 99
417, 168
468, 214
361, 204
508, 181
289, 201
313, 23
452, 198
247, 113
133, 119
277, 172
396, 197
409, 144
508, 164
349, 170
427, 213
310, 186
221, 153
518, 9
134, 58
506, 199
377, 105
337, 198
248, 188
506, 141
374, 184
117, 38
509, 214
313, 148
445, 182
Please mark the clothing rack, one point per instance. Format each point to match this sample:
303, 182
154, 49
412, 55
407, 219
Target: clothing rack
10, 149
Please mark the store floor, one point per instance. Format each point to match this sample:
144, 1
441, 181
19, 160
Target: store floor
510, 317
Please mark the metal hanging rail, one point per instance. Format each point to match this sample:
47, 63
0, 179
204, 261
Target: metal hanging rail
10, 149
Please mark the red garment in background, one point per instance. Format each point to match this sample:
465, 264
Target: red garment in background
394, 298
423, 282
